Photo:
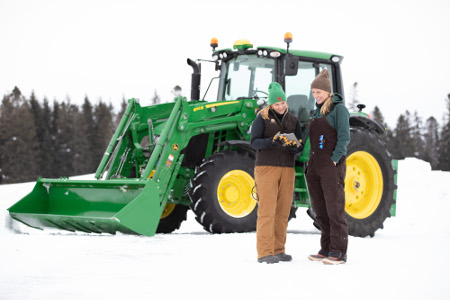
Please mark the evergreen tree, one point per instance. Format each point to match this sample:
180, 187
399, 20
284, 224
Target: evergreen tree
103, 130
388, 137
431, 136
402, 145
123, 108
80, 149
17, 139
84, 135
444, 144
155, 99
64, 152
378, 116
54, 146
48, 155
44, 153
417, 137
354, 97
176, 91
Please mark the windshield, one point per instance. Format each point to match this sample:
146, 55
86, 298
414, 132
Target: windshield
246, 76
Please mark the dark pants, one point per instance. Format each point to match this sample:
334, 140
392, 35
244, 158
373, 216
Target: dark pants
326, 189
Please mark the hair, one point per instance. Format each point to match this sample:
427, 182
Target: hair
265, 111
326, 107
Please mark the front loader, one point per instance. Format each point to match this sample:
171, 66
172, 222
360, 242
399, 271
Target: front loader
165, 159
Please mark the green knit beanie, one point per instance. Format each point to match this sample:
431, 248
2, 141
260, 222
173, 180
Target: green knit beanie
322, 81
276, 93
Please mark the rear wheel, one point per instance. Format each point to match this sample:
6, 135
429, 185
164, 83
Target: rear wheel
221, 193
369, 183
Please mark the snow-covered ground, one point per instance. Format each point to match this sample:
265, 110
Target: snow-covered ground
406, 260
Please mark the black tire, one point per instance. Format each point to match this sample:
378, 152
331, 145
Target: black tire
210, 211
366, 147
172, 217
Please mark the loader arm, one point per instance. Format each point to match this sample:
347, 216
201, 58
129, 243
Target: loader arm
130, 205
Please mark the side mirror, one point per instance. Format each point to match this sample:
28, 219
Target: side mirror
217, 65
360, 107
291, 65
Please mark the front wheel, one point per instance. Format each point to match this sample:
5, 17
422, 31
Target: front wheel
221, 193
172, 217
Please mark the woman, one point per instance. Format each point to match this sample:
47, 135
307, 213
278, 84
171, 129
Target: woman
274, 175
329, 133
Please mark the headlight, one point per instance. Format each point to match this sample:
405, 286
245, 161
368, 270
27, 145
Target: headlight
275, 54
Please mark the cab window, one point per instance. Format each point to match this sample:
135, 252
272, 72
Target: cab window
247, 76
298, 90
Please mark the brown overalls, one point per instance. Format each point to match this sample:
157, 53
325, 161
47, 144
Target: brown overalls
275, 179
326, 187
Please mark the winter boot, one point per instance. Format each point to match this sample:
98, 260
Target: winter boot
284, 257
319, 256
269, 259
335, 258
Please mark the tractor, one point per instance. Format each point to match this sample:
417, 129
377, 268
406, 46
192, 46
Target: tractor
167, 158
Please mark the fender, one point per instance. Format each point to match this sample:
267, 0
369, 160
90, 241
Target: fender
364, 121
241, 144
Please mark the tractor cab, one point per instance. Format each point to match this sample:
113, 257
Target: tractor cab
246, 72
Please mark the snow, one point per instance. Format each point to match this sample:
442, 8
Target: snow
405, 260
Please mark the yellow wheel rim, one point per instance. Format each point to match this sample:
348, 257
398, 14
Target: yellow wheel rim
234, 193
168, 209
363, 185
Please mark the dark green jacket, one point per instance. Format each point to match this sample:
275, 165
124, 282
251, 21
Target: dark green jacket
339, 119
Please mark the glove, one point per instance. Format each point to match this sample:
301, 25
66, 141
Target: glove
275, 142
294, 149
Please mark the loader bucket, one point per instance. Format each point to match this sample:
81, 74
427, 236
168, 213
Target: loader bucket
124, 205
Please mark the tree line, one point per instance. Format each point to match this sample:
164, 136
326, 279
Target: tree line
51, 140
412, 137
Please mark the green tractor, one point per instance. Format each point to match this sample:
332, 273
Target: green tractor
168, 158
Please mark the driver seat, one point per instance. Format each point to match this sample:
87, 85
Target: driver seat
297, 105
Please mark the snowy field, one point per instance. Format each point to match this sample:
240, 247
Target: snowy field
405, 260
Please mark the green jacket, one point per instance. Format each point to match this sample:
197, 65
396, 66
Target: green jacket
338, 118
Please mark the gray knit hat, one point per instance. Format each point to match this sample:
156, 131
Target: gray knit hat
322, 81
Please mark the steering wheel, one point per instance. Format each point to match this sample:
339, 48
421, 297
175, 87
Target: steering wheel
259, 91
263, 100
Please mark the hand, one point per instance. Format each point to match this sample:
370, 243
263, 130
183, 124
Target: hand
275, 142
294, 149
334, 162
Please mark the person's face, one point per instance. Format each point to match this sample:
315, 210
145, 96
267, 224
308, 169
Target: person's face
280, 107
320, 95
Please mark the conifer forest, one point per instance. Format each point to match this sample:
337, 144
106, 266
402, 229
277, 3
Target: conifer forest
39, 138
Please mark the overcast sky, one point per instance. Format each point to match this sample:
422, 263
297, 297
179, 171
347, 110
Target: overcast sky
397, 51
